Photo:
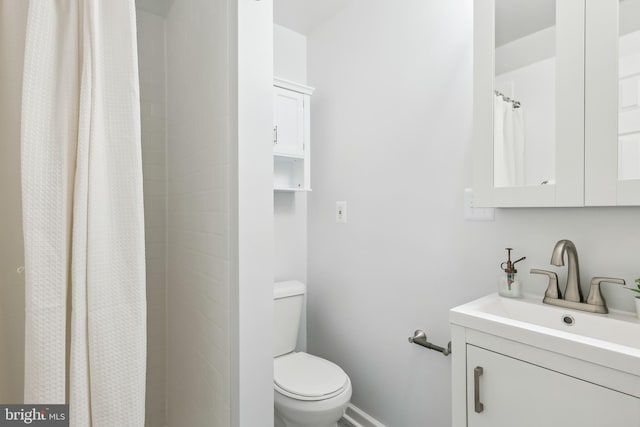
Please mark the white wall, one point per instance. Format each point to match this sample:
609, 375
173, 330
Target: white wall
252, 214
199, 192
526, 50
289, 54
13, 22
392, 136
151, 66
290, 236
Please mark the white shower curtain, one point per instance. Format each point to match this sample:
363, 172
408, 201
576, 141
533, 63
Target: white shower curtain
82, 212
508, 144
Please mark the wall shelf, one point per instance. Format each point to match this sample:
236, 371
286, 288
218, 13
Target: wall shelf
289, 156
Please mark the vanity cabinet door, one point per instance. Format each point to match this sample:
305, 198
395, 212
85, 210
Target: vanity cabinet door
516, 393
612, 103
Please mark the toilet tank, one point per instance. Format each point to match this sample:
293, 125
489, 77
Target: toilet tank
288, 299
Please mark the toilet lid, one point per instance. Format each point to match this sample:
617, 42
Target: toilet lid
308, 376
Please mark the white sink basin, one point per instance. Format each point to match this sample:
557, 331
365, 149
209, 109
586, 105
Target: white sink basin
608, 339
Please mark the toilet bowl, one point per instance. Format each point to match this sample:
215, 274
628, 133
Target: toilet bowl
308, 391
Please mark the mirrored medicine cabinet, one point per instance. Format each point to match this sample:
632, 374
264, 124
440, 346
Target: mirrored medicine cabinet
556, 103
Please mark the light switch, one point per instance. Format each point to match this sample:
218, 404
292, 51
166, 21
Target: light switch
341, 212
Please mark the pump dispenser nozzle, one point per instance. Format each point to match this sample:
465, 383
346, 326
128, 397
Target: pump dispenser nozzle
510, 266
509, 286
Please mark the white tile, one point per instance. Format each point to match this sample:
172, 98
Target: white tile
628, 92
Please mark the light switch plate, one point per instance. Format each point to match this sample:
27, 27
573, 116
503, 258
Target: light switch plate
476, 214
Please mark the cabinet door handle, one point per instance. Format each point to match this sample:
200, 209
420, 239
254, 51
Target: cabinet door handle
477, 372
275, 134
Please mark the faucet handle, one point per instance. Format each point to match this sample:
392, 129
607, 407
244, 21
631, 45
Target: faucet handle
553, 291
595, 296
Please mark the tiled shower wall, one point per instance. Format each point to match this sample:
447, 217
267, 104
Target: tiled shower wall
194, 210
151, 60
198, 112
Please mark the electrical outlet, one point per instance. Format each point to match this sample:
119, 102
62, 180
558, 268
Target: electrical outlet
341, 212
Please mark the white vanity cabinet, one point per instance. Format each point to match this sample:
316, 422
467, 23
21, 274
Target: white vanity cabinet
291, 136
513, 392
512, 381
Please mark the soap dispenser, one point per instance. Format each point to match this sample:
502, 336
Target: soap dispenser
508, 285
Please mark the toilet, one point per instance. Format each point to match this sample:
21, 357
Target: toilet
308, 391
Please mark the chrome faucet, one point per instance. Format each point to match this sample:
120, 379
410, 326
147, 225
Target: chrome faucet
573, 293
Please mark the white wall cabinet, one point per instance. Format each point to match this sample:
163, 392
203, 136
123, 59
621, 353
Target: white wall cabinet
291, 136
612, 144
513, 392
568, 46
597, 107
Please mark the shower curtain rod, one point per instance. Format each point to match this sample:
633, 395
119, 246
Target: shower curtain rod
516, 104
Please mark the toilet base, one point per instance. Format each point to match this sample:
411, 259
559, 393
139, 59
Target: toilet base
322, 413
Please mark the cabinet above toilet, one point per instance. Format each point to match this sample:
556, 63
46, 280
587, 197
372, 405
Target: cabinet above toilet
291, 136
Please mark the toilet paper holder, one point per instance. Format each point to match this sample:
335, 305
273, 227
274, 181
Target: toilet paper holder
419, 337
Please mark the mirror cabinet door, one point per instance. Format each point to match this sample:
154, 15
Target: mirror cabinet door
612, 145
528, 103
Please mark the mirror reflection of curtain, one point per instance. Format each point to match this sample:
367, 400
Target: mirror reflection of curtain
508, 144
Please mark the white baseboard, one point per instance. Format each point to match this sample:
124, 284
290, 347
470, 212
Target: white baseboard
359, 418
